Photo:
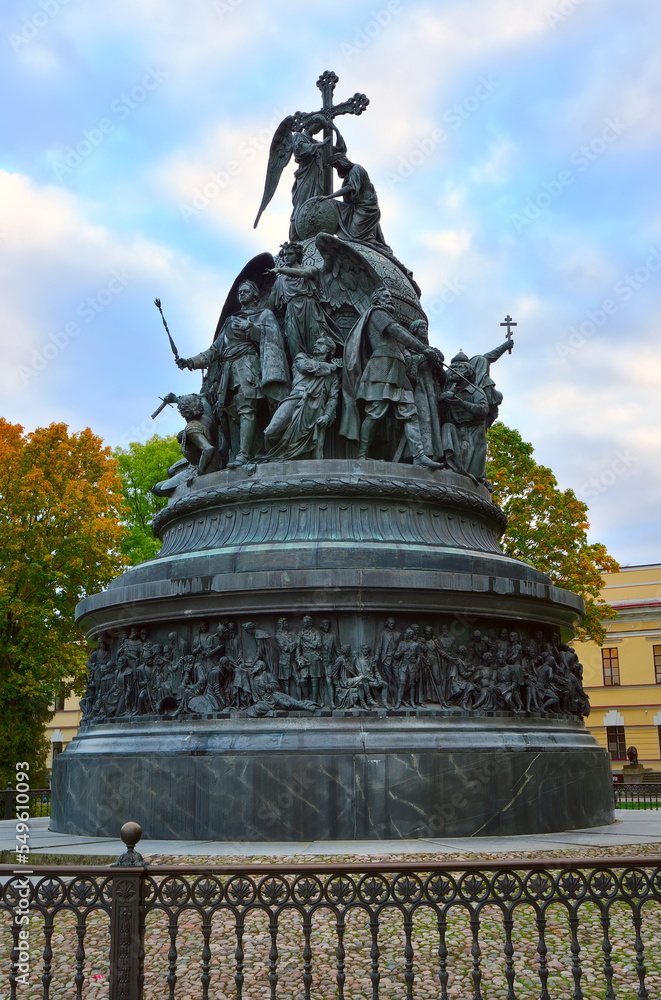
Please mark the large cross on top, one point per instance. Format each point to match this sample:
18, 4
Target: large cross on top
354, 106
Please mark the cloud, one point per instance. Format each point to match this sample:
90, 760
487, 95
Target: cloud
217, 182
155, 200
72, 295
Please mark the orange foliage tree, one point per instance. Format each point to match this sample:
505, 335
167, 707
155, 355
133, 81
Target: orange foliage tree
547, 527
61, 506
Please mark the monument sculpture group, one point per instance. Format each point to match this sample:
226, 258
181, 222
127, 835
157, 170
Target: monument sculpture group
330, 614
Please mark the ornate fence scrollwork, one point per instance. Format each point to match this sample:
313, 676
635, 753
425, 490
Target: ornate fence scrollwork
595, 896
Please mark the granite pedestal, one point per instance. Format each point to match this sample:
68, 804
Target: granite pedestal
354, 542
334, 778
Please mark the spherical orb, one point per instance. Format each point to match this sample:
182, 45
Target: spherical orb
316, 216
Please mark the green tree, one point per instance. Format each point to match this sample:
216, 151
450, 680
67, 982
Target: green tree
547, 527
60, 532
140, 466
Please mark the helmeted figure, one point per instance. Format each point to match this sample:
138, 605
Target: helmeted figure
469, 405
246, 364
375, 372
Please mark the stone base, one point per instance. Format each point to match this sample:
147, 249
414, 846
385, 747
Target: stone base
342, 778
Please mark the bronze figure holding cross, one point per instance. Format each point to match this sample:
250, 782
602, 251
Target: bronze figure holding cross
295, 136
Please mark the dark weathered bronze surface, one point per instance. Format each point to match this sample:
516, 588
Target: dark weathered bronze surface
330, 552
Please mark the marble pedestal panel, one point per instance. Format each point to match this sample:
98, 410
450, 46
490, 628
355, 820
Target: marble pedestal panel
293, 778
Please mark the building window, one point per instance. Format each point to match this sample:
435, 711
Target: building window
56, 748
611, 664
59, 699
659, 732
617, 744
657, 663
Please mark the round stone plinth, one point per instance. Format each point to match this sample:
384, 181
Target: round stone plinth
339, 777
369, 557
341, 537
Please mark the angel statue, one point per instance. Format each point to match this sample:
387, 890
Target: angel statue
310, 300
308, 153
295, 135
296, 296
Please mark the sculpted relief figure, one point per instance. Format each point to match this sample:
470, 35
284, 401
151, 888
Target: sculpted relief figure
296, 299
199, 436
329, 651
375, 373
469, 405
298, 427
287, 671
406, 663
267, 697
360, 215
492, 670
98, 665
310, 659
384, 655
245, 365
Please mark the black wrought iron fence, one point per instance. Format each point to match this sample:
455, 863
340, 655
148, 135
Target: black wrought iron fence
36, 801
555, 928
637, 796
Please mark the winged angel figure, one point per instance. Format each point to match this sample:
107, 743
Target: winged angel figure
308, 153
308, 299
311, 295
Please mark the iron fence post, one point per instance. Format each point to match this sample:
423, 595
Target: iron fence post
126, 920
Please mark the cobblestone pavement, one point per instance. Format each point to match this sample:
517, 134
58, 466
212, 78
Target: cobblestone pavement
257, 942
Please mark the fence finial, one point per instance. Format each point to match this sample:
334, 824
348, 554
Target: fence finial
131, 834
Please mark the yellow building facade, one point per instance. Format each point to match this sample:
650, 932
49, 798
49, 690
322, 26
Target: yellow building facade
623, 677
63, 726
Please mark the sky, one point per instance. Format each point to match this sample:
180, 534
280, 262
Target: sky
514, 146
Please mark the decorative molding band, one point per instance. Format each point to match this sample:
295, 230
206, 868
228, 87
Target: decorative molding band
336, 488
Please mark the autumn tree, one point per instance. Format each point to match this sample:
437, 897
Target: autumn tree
141, 466
60, 534
547, 527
